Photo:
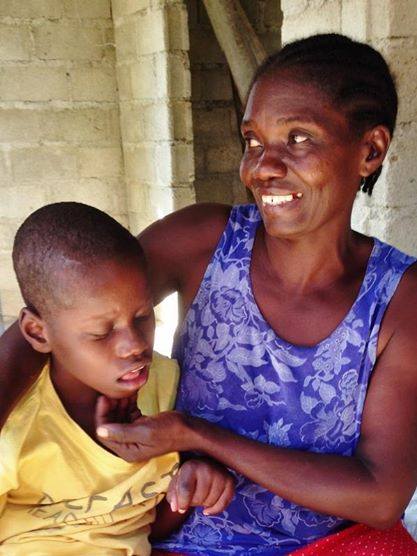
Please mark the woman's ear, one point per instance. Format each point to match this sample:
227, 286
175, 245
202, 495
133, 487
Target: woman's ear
376, 142
34, 330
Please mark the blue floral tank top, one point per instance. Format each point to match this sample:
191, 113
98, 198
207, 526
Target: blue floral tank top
237, 373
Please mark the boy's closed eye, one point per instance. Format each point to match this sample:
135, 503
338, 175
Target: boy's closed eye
99, 335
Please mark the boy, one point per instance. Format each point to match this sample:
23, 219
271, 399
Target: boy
88, 306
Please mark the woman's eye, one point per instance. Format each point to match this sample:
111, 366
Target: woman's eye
252, 143
298, 138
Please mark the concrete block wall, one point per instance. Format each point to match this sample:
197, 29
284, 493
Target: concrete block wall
217, 146
155, 105
154, 88
59, 119
391, 27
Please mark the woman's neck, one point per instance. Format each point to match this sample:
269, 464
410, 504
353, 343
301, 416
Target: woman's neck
312, 262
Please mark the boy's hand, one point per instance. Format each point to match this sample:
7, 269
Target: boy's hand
201, 482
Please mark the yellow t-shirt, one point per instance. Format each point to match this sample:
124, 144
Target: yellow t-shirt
61, 493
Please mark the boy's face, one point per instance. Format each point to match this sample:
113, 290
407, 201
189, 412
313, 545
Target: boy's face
104, 340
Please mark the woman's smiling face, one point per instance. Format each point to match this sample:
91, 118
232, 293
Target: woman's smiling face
302, 160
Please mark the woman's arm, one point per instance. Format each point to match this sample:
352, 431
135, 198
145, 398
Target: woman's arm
179, 247
372, 487
19, 367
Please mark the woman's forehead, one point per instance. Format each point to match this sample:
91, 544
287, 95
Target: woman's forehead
289, 87
285, 98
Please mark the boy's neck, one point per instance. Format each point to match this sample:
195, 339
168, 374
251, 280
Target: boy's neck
78, 399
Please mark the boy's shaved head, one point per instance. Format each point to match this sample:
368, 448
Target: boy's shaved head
61, 241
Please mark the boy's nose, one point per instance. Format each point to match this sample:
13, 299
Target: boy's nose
131, 343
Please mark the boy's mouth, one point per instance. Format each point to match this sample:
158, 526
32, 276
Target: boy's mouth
134, 373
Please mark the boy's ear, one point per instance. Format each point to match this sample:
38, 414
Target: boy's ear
33, 329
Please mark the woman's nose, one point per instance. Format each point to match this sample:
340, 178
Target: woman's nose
131, 343
270, 165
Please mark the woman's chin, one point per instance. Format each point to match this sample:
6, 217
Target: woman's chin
281, 229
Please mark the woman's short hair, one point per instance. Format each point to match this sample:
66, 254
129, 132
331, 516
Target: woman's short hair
353, 75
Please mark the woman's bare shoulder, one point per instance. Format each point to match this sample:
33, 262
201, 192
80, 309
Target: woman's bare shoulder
198, 217
179, 246
187, 231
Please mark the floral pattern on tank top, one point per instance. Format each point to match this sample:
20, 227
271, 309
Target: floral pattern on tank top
237, 373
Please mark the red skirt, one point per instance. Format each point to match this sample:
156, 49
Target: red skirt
363, 540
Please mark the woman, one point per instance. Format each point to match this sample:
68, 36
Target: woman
297, 346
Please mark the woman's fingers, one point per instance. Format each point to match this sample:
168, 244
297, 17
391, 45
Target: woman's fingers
160, 432
129, 441
133, 410
120, 411
120, 432
103, 407
122, 408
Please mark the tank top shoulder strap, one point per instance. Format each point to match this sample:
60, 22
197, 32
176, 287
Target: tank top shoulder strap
238, 236
392, 258
386, 267
385, 270
229, 264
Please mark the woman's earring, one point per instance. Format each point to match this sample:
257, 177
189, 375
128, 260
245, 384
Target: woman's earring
367, 184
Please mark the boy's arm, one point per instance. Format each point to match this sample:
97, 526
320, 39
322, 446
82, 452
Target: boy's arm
199, 482
19, 367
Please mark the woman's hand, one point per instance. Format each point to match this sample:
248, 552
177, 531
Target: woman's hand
201, 482
137, 438
123, 410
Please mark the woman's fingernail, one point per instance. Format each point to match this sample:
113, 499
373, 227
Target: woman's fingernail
103, 432
181, 511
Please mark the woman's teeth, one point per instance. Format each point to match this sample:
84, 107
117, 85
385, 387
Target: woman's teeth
278, 200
